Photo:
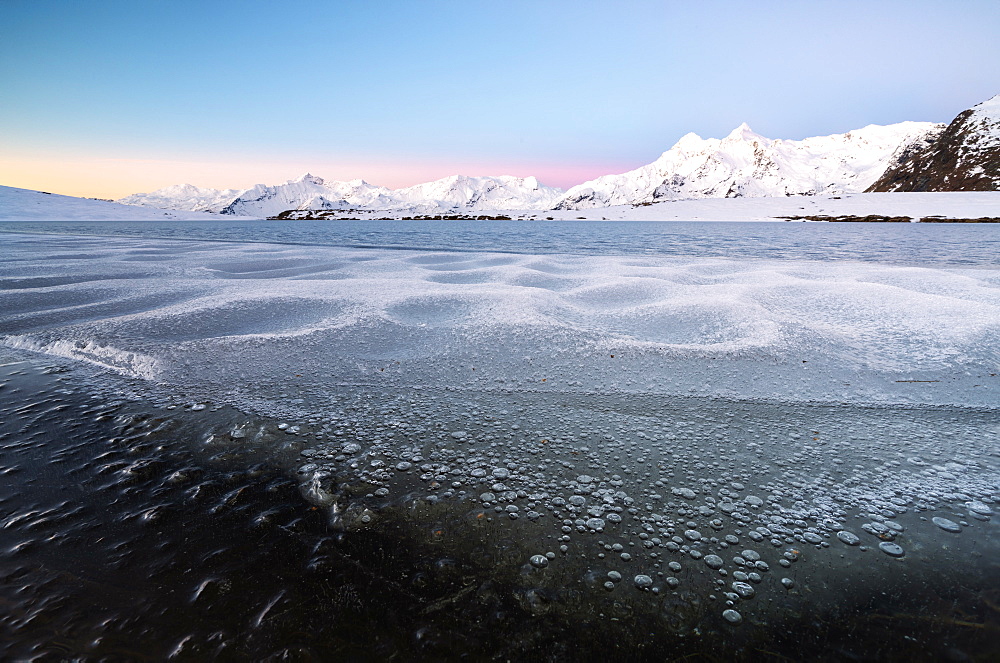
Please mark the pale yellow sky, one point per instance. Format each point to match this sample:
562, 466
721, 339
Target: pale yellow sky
107, 177
115, 178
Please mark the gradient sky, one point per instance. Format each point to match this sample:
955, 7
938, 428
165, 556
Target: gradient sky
104, 98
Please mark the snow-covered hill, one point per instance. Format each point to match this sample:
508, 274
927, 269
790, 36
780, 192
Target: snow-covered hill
746, 164
27, 205
965, 157
183, 197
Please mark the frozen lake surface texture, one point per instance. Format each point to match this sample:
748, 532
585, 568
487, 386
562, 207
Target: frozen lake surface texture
686, 432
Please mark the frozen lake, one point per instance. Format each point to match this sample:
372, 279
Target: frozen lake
723, 426
890, 243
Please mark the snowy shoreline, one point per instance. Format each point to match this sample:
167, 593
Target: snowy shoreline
950, 205
27, 205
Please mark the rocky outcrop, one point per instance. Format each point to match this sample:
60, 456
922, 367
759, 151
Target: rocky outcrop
963, 157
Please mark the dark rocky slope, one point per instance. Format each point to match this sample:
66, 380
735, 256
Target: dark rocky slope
964, 157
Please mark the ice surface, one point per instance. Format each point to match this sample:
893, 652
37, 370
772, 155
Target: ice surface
666, 420
227, 315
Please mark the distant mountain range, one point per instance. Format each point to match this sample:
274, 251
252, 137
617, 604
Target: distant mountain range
909, 156
184, 197
309, 192
457, 192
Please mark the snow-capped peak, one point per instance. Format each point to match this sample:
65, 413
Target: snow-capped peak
307, 178
745, 163
456, 192
689, 142
989, 108
183, 197
485, 193
743, 133
985, 121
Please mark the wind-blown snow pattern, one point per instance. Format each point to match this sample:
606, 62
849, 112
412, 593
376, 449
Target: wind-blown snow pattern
183, 197
746, 164
699, 325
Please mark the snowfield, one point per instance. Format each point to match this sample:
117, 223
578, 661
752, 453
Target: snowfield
27, 205
949, 204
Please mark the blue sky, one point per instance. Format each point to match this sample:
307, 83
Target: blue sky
107, 98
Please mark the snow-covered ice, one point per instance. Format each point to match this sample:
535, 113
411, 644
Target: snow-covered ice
649, 417
787, 330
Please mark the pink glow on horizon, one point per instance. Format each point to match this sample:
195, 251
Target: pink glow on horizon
104, 177
558, 175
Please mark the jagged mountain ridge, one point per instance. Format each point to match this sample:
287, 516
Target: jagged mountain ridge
306, 192
964, 157
746, 164
457, 192
183, 197
909, 156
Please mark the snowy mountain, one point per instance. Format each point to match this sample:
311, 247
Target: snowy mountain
964, 157
482, 193
183, 197
308, 192
909, 156
745, 164
27, 205
457, 192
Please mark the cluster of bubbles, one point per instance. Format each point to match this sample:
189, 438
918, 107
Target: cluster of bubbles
721, 495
